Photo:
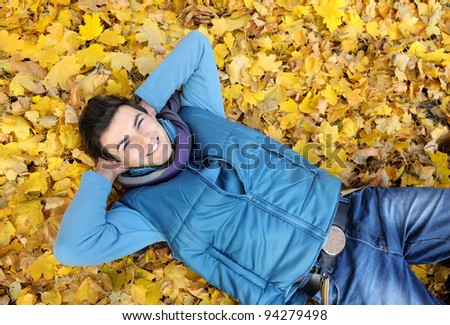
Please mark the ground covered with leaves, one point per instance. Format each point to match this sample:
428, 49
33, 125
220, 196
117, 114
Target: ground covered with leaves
360, 87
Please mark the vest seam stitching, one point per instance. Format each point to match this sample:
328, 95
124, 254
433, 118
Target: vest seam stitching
187, 216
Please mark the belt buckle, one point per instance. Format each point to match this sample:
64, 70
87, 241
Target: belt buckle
335, 242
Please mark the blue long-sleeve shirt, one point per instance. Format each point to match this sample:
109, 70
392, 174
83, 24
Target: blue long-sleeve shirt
90, 234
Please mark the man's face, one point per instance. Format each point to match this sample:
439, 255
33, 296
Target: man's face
136, 139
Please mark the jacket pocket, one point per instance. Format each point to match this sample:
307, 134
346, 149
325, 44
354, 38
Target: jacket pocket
221, 175
237, 268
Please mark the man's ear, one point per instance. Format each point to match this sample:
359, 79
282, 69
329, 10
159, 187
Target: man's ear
114, 163
110, 164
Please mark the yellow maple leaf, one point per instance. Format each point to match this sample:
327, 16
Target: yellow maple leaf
26, 215
11, 160
289, 106
349, 127
54, 163
120, 60
410, 26
67, 169
439, 160
401, 61
65, 18
52, 297
45, 56
56, 33
83, 157
237, 68
299, 37
61, 72
252, 98
289, 120
45, 20
88, 291
421, 270
331, 166
307, 104
151, 33
68, 43
401, 146
92, 27
111, 37
445, 38
138, 294
176, 273
121, 85
6, 66
146, 61
10, 43
410, 180
328, 135
229, 39
439, 56
219, 26
275, 133
26, 297
373, 29
90, 56
354, 24
62, 187
238, 23
287, 80
232, 91
298, 10
353, 97
117, 278
36, 182
48, 106
91, 84
45, 266
331, 11
382, 109
220, 52
20, 82
433, 30
331, 95
17, 125
7, 231
308, 150
266, 43
69, 136
268, 62
261, 9
388, 125
146, 292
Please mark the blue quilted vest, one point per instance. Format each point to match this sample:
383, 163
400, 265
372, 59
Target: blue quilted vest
256, 228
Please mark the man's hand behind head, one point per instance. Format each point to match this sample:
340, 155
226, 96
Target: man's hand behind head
110, 169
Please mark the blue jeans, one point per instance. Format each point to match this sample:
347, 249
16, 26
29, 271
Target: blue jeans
387, 230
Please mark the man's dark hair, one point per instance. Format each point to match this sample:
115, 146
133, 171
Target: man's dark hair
96, 118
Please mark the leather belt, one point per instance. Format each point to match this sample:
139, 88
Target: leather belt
333, 247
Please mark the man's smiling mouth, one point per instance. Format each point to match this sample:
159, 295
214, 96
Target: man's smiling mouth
155, 146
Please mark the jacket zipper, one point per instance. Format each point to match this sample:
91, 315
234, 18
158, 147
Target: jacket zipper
287, 218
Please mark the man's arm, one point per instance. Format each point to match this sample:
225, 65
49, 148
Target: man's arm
192, 65
90, 235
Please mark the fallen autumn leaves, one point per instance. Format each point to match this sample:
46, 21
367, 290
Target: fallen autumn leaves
360, 87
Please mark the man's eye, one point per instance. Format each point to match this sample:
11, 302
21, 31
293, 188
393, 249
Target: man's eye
139, 123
